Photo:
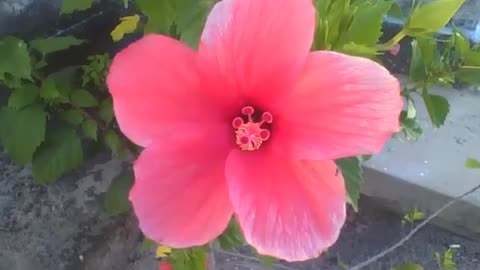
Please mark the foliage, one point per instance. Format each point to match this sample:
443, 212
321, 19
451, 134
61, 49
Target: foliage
413, 216
51, 117
54, 117
408, 266
445, 261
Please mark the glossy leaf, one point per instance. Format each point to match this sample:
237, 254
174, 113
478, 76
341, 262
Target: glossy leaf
14, 59
160, 13
73, 116
83, 99
69, 6
54, 44
127, 25
116, 199
59, 154
472, 163
414, 215
366, 27
23, 96
417, 70
437, 107
432, 16
352, 172
22, 131
89, 128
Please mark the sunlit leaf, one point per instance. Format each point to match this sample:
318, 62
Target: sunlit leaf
413, 216
366, 27
127, 25
22, 131
60, 153
432, 16
162, 251
160, 13
472, 163
468, 75
116, 199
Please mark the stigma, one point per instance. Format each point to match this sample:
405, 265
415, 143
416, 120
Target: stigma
249, 133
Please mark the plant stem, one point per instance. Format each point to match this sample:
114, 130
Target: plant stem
393, 41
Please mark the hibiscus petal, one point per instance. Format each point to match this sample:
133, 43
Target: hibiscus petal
262, 45
180, 196
342, 106
288, 209
156, 90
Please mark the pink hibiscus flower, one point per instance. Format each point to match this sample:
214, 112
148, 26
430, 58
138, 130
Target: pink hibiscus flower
249, 125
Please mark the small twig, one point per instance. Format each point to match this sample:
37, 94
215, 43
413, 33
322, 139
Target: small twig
253, 259
412, 232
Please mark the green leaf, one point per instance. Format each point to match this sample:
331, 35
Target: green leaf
366, 27
54, 44
351, 170
14, 59
232, 237
410, 127
106, 110
267, 261
69, 6
49, 89
460, 43
83, 99
445, 261
432, 16
147, 244
413, 216
23, 96
160, 13
112, 140
472, 163
73, 116
418, 70
189, 259
437, 107
59, 154
395, 11
116, 199
408, 266
22, 131
359, 50
127, 25
89, 128
191, 18
411, 110
468, 75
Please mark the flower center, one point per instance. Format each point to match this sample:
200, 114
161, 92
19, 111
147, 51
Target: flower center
248, 129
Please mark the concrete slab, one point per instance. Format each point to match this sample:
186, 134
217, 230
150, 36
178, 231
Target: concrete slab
428, 173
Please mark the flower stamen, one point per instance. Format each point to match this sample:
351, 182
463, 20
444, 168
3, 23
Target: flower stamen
249, 134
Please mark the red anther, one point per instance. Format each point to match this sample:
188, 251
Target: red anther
237, 122
250, 135
267, 117
248, 110
264, 134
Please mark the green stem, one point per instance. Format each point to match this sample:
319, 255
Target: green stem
393, 41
